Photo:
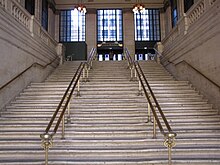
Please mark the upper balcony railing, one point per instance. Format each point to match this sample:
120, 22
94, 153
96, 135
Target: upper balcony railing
14, 8
2, 3
188, 20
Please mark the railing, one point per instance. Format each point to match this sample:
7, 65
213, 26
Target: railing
188, 20
2, 3
195, 14
59, 114
16, 10
20, 74
153, 106
158, 55
20, 14
198, 72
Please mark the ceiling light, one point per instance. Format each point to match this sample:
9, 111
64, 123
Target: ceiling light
138, 8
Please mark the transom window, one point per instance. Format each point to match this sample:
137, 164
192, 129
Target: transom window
147, 25
72, 26
109, 25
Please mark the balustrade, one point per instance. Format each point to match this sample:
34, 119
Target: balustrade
2, 3
212, 2
188, 20
14, 8
196, 13
20, 14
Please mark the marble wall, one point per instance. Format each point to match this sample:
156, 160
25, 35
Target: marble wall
194, 43
23, 42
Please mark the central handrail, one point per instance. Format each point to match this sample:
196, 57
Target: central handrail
168, 134
59, 114
62, 100
154, 98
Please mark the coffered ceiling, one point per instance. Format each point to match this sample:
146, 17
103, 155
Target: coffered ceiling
93, 4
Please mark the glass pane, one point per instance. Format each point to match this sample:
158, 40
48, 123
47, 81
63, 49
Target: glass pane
72, 26
109, 25
147, 25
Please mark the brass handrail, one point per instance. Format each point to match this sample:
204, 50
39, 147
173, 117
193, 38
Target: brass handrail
47, 136
32, 65
198, 72
169, 134
154, 98
62, 100
148, 96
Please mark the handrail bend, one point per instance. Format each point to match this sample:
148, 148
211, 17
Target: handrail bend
59, 114
32, 65
168, 134
183, 61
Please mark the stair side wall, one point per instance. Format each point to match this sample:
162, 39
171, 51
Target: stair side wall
20, 48
197, 43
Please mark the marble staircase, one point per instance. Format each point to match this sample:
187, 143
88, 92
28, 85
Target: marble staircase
109, 121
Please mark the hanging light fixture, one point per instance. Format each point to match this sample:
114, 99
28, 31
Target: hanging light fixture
81, 8
138, 7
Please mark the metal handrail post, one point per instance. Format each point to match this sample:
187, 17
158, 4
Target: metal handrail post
169, 142
135, 74
83, 77
47, 142
149, 111
87, 73
78, 88
68, 113
131, 68
139, 88
63, 127
154, 129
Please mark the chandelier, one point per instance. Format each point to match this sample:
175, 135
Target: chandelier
138, 7
81, 8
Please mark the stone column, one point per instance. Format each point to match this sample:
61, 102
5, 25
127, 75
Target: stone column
128, 31
91, 34
180, 8
162, 24
57, 26
38, 7
51, 23
168, 21
60, 49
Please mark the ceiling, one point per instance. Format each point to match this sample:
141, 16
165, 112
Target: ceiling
94, 4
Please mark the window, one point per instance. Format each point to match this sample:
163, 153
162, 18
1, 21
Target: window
174, 14
187, 5
44, 19
147, 25
72, 26
109, 24
30, 6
